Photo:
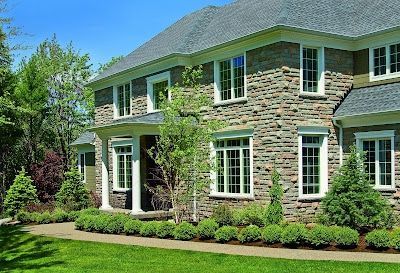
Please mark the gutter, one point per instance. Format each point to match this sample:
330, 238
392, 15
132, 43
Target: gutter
338, 125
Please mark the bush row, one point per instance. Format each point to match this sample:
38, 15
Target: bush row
57, 216
382, 238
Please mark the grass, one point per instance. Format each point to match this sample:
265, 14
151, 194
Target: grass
22, 252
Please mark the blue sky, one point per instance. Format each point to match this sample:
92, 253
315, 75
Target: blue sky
102, 28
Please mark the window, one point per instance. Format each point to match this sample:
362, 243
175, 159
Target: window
379, 152
124, 100
81, 166
123, 167
231, 79
312, 67
157, 86
233, 176
385, 62
313, 162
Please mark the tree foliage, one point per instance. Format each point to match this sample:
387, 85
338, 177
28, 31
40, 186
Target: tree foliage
352, 201
107, 65
274, 211
21, 193
182, 148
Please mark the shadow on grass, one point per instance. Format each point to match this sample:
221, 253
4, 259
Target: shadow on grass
21, 251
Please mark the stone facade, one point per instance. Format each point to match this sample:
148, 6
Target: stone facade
274, 108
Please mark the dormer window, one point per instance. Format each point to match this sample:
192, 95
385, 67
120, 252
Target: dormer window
122, 99
157, 86
385, 62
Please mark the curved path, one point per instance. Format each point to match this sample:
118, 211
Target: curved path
67, 231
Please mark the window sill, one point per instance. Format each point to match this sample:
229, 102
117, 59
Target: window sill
384, 77
316, 96
231, 196
121, 190
122, 117
228, 102
385, 189
310, 198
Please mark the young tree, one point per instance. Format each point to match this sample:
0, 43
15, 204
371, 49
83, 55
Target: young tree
352, 201
182, 150
274, 211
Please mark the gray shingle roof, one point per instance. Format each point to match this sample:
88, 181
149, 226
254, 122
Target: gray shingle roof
213, 26
85, 138
151, 118
369, 100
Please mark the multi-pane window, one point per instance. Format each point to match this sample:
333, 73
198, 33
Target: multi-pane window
124, 167
311, 164
385, 60
378, 163
233, 166
124, 100
232, 78
310, 70
159, 89
81, 166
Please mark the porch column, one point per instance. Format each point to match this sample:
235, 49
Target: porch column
136, 187
105, 185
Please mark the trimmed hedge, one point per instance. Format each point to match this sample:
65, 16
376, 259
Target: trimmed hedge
345, 236
320, 235
379, 239
132, 226
223, 215
272, 234
149, 229
184, 231
165, 230
207, 228
294, 234
116, 223
395, 239
226, 234
251, 233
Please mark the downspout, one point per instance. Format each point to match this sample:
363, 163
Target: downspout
340, 127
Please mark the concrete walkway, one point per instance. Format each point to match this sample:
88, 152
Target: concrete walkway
67, 231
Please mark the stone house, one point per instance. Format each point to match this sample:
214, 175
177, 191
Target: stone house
297, 82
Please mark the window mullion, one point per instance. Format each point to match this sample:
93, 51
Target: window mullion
232, 81
125, 171
241, 155
387, 49
225, 171
377, 164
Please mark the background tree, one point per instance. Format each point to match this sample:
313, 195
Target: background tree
107, 65
182, 148
352, 201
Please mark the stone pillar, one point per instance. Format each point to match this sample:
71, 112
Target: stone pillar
105, 184
136, 187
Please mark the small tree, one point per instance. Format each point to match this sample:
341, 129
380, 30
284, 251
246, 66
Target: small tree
73, 194
48, 176
352, 201
182, 148
274, 211
21, 193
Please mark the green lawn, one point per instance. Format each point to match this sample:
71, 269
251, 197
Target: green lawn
21, 252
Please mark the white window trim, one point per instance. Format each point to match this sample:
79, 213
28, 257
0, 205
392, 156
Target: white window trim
213, 174
217, 93
114, 145
324, 133
376, 136
150, 92
388, 75
321, 70
84, 165
115, 100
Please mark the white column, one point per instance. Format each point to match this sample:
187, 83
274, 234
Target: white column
105, 185
136, 187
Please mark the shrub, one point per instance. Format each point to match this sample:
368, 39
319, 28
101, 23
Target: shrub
101, 222
21, 193
116, 223
60, 216
73, 194
40, 207
294, 234
95, 199
226, 234
238, 217
207, 228
82, 221
251, 233
132, 226
272, 234
44, 218
253, 215
91, 211
165, 229
320, 235
149, 229
184, 231
223, 215
48, 176
35, 216
73, 215
23, 216
379, 239
274, 211
352, 201
395, 239
345, 236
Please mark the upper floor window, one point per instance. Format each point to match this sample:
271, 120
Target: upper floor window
230, 79
312, 70
157, 87
123, 103
385, 62
379, 156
